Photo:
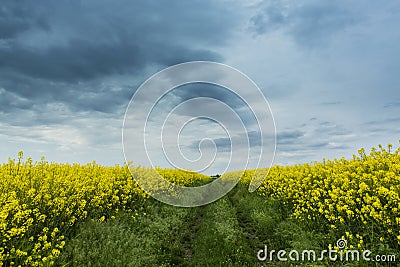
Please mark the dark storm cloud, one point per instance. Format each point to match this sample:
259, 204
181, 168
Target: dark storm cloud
105, 38
78, 60
309, 22
17, 17
68, 51
82, 59
34, 95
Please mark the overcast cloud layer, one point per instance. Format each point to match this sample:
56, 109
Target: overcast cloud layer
330, 70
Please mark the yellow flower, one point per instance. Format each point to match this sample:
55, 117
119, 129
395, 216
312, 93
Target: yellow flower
55, 252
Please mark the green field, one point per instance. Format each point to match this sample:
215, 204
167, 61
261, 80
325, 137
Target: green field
228, 232
91, 215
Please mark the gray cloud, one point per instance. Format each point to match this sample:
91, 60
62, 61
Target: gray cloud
394, 104
308, 139
82, 59
17, 17
69, 68
221, 144
10, 101
111, 38
224, 144
389, 120
331, 103
49, 53
289, 137
188, 91
72, 61
309, 22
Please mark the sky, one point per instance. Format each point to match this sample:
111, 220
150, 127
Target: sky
68, 69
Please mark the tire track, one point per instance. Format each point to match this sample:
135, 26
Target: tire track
189, 238
246, 224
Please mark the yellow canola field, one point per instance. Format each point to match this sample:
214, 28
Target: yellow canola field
358, 199
41, 203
